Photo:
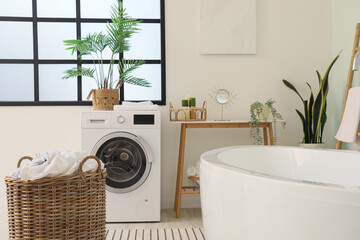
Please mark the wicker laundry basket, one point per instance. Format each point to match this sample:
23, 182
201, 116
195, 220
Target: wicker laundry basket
65, 207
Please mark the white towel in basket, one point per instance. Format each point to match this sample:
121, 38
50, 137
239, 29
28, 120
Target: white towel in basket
56, 163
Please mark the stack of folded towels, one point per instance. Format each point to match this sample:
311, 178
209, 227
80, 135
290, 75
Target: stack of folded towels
56, 163
136, 106
194, 171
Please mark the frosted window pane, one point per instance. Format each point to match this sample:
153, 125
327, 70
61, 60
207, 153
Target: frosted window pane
56, 8
52, 87
16, 82
96, 8
146, 43
51, 37
87, 28
16, 8
16, 40
150, 72
89, 83
142, 8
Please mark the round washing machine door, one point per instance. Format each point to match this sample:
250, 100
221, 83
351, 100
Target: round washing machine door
127, 160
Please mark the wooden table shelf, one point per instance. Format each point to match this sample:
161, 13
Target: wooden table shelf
190, 190
180, 189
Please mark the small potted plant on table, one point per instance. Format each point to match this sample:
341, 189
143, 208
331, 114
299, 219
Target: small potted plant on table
119, 30
260, 112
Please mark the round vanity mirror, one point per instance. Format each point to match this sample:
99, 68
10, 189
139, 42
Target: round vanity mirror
222, 96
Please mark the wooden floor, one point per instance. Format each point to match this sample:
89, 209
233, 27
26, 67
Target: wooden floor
190, 218
4, 234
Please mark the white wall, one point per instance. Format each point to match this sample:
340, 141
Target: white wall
345, 15
293, 39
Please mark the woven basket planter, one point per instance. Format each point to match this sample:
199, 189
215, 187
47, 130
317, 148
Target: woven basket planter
65, 207
104, 99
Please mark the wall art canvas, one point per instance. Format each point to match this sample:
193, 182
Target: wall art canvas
228, 27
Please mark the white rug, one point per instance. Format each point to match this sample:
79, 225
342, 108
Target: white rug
156, 234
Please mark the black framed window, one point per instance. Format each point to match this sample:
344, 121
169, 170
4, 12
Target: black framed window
33, 56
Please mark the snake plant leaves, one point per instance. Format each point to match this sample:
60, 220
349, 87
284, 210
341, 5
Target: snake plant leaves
289, 85
320, 101
310, 121
319, 76
314, 117
309, 109
303, 123
322, 125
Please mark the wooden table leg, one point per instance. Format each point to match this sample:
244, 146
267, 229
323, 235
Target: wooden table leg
271, 135
180, 168
338, 144
265, 136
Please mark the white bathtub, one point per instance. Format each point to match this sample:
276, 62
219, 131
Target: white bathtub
280, 193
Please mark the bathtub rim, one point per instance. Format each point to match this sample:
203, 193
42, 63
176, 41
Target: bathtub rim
211, 158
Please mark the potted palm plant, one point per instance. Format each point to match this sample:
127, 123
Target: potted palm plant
314, 117
119, 30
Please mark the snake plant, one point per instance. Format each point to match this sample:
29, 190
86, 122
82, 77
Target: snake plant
119, 30
314, 116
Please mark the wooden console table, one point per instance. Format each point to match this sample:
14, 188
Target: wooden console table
180, 189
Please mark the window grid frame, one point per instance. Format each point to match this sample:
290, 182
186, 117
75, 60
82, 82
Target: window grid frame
78, 20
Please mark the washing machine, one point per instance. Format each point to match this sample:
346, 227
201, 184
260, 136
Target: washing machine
128, 143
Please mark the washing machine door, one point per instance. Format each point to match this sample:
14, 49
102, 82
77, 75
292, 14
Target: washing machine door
127, 160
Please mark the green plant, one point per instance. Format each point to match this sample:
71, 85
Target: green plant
119, 30
314, 117
260, 112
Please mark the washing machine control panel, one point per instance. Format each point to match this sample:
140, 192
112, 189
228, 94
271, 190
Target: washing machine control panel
135, 119
144, 119
121, 119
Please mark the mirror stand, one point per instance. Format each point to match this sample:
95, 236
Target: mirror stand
222, 97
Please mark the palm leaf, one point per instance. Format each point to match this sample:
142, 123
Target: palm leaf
126, 67
100, 42
83, 45
136, 81
79, 71
120, 28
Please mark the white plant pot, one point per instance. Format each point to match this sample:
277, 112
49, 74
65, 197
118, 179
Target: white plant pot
265, 111
312, 145
264, 115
